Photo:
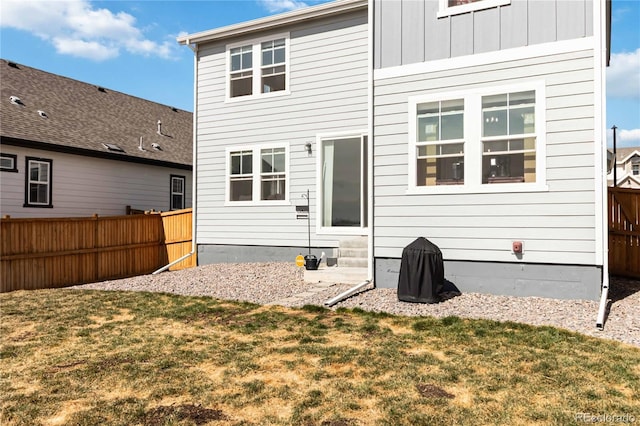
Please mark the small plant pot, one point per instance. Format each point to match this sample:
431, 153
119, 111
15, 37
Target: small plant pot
311, 262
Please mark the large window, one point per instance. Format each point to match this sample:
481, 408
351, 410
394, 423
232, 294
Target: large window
177, 192
478, 140
38, 183
257, 174
258, 67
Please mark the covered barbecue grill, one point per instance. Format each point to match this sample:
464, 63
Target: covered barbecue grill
421, 272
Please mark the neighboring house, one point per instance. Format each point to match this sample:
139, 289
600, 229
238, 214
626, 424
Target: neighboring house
72, 149
475, 124
627, 166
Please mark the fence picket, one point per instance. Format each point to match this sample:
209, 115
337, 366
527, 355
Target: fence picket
58, 252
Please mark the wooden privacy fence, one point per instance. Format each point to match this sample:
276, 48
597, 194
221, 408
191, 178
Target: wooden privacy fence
58, 252
624, 231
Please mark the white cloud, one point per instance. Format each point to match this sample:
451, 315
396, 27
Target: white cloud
624, 138
274, 6
623, 75
76, 27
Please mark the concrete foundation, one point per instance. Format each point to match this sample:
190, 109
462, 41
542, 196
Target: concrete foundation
511, 279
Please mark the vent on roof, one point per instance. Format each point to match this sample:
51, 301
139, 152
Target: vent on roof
156, 146
42, 114
174, 109
101, 89
13, 65
16, 100
112, 147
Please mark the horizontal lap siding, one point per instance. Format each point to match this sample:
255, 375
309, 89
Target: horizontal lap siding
557, 226
328, 85
83, 186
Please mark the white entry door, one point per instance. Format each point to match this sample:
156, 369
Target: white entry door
343, 186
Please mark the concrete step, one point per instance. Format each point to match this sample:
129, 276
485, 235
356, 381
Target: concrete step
357, 242
352, 262
353, 252
336, 274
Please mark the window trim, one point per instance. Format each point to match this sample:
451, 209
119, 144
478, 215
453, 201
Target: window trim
27, 181
171, 193
444, 10
473, 141
256, 175
256, 67
14, 159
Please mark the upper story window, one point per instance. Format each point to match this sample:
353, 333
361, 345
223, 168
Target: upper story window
635, 166
478, 141
257, 174
455, 7
259, 67
38, 183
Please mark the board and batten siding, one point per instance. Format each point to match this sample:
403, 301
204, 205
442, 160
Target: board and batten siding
410, 31
83, 186
328, 94
557, 226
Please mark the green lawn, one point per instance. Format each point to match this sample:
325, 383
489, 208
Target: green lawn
90, 357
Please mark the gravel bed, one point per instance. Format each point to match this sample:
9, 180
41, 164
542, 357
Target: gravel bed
281, 283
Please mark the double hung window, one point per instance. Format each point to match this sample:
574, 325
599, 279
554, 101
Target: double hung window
257, 174
257, 68
635, 167
440, 144
477, 140
177, 192
38, 183
509, 138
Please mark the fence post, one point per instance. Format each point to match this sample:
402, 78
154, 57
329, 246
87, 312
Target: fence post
95, 247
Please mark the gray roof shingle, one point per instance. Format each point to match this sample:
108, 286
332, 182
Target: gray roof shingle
81, 117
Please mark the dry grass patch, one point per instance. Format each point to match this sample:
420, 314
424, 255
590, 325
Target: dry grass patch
82, 357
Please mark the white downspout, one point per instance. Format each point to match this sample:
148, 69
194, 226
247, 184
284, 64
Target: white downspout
370, 215
601, 51
194, 172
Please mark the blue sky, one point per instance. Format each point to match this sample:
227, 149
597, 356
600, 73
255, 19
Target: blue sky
130, 46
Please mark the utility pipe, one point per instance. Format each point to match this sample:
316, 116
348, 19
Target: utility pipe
194, 169
347, 293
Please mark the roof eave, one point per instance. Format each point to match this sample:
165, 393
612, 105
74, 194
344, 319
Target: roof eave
275, 21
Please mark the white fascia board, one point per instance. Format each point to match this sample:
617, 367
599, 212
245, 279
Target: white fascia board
275, 21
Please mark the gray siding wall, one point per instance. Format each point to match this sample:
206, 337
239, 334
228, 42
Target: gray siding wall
328, 85
557, 226
83, 186
409, 31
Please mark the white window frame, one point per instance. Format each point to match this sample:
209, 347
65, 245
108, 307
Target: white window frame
445, 10
256, 175
14, 162
27, 196
183, 179
473, 141
635, 166
256, 63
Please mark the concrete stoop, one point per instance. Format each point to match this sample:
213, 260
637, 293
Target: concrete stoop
351, 268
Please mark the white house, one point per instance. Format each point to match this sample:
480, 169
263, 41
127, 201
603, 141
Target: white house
627, 165
475, 124
69, 148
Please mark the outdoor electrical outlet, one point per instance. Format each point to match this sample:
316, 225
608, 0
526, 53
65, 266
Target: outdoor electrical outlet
517, 247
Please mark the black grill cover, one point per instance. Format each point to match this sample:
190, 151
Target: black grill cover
421, 272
